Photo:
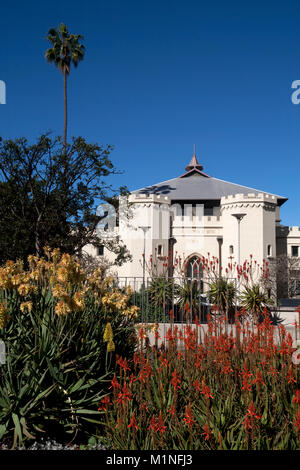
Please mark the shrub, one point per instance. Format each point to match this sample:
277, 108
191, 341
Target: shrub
254, 300
223, 293
207, 390
55, 319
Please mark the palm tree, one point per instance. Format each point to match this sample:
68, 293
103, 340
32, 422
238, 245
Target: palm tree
65, 50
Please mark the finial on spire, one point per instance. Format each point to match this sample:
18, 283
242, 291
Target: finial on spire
194, 164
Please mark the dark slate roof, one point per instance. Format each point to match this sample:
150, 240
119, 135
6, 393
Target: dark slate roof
195, 185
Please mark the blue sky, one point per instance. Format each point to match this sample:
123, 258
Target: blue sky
161, 76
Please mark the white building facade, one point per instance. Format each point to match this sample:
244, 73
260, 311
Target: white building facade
195, 214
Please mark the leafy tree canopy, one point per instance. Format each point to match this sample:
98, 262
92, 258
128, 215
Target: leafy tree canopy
49, 197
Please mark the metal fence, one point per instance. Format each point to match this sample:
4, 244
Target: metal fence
185, 299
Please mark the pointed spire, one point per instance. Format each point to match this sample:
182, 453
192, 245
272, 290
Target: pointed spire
194, 164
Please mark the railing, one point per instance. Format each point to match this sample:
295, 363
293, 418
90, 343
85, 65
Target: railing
183, 299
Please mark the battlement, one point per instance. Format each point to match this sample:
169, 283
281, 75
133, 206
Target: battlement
294, 231
250, 197
149, 198
204, 221
212, 219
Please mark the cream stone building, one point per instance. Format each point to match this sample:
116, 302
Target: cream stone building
195, 214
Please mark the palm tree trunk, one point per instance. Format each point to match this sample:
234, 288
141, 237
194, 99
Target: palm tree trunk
65, 112
64, 160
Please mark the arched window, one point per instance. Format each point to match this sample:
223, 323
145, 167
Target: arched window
269, 250
100, 250
194, 268
194, 274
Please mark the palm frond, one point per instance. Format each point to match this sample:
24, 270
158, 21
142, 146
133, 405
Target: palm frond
65, 50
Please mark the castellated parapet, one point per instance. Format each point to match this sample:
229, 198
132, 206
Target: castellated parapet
202, 221
149, 198
234, 198
267, 201
294, 231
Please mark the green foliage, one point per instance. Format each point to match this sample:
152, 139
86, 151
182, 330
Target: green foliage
215, 393
161, 293
16, 222
147, 311
254, 299
189, 297
66, 48
49, 198
57, 370
223, 294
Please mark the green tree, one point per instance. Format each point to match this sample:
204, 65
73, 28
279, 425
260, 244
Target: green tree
16, 222
65, 51
47, 202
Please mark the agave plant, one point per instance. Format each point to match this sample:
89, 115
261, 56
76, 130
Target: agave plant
254, 300
223, 293
189, 297
161, 293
